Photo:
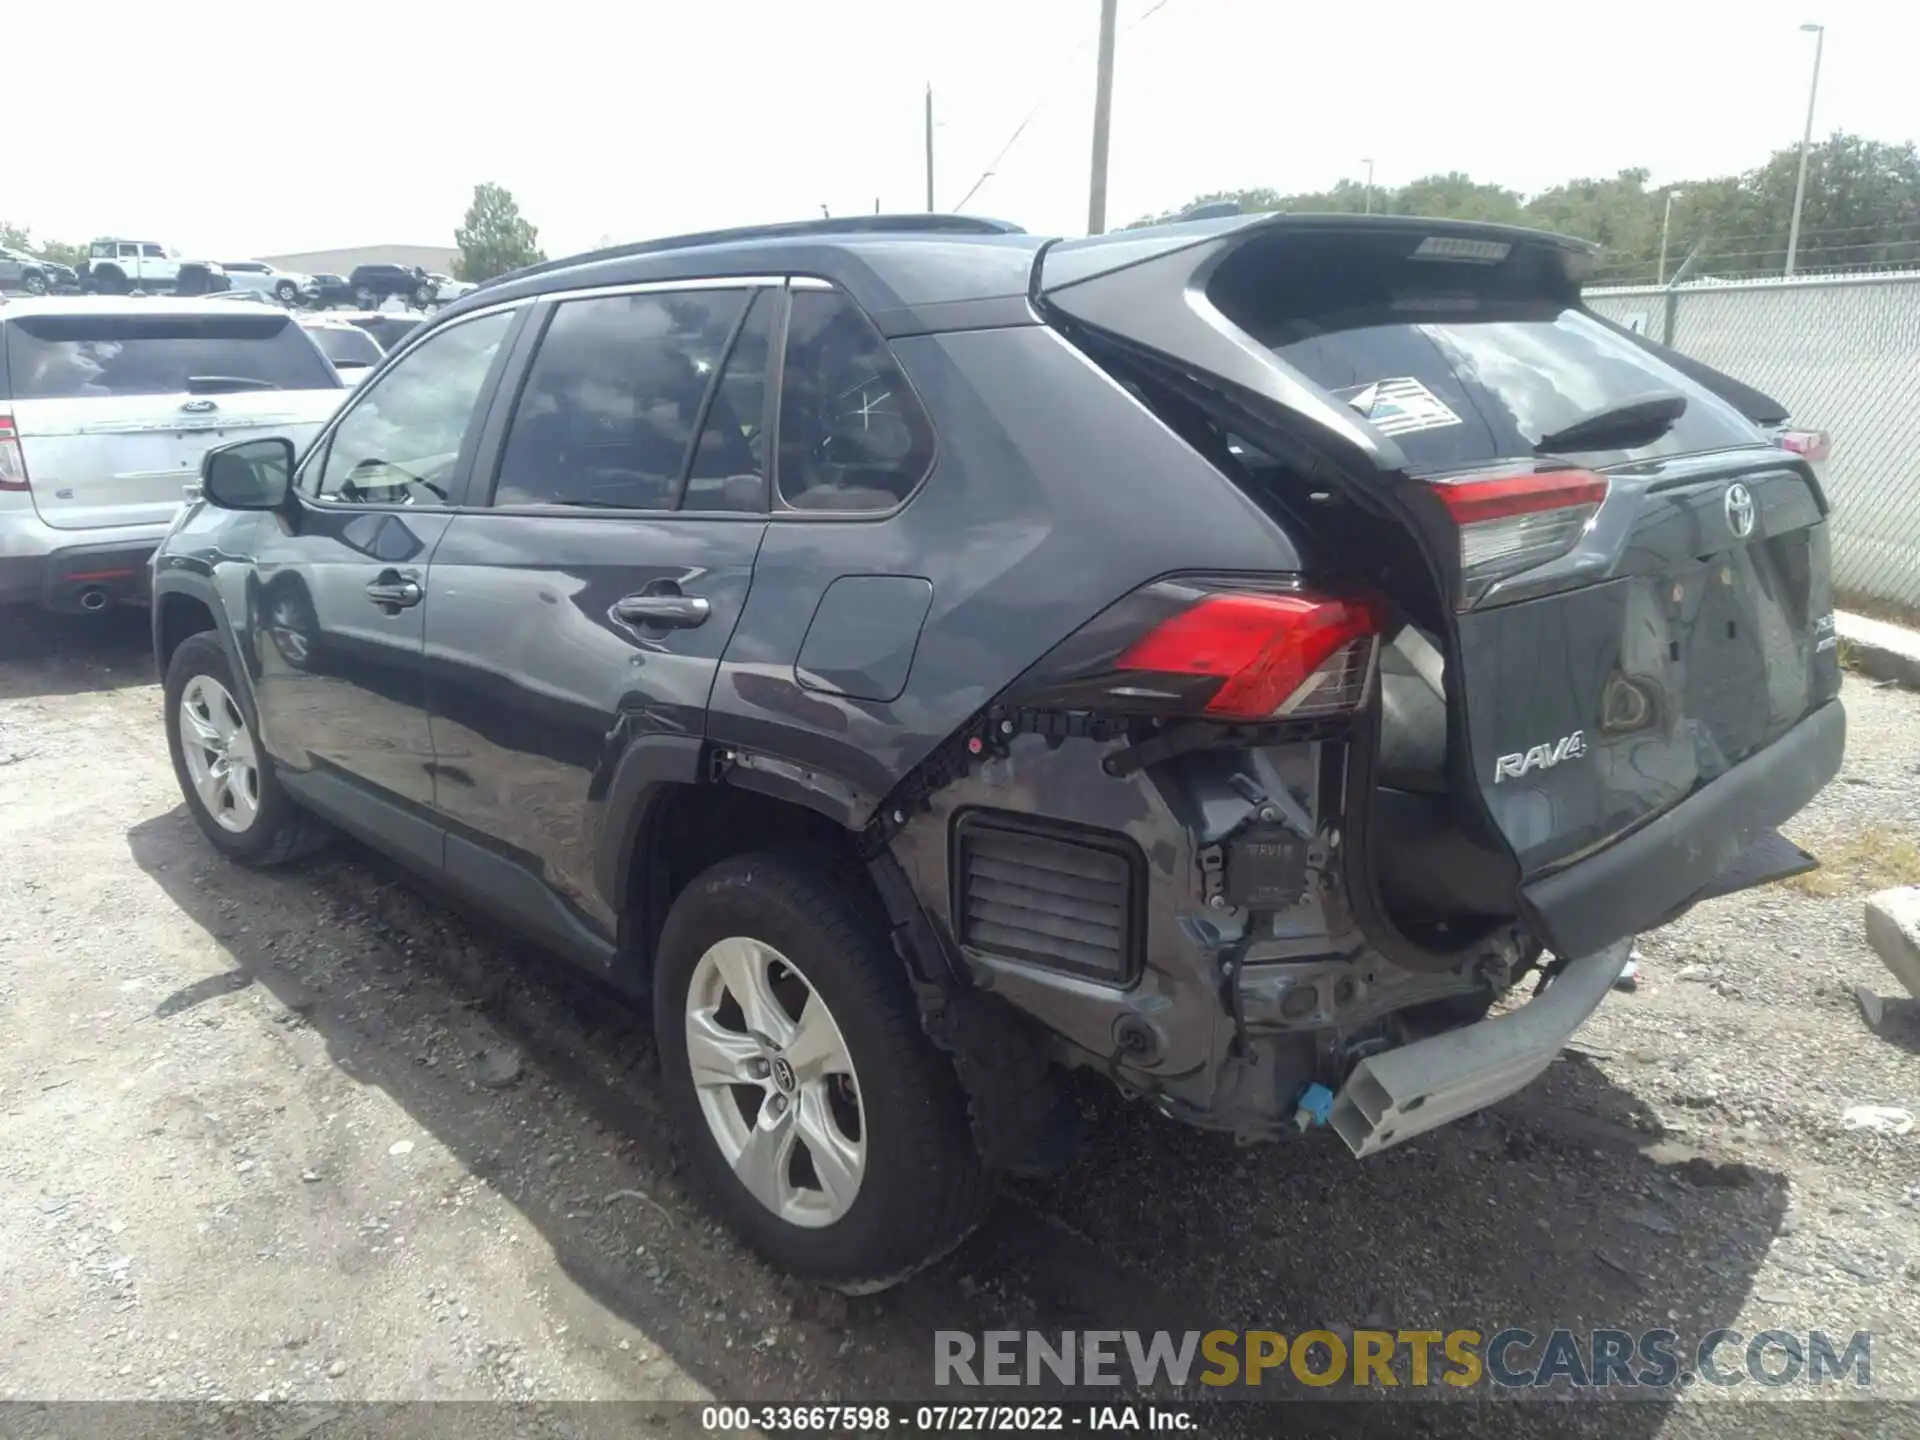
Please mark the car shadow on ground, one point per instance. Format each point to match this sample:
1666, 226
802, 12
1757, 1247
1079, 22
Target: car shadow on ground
43, 653
1547, 1213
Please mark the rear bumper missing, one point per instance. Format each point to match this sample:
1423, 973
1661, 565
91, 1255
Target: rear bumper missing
1653, 875
1408, 1091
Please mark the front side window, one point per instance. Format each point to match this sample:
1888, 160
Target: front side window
853, 436
400, 442
607, 416
154, 252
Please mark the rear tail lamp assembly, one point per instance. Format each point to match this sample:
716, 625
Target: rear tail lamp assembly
1213, 650
1511, 523
13, 464
1809, 445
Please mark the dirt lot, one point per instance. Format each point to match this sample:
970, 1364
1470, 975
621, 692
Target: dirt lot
310, 1135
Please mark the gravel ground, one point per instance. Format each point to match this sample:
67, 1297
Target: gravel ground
313, 1136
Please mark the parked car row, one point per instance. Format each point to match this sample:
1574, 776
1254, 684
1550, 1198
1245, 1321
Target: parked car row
146, 267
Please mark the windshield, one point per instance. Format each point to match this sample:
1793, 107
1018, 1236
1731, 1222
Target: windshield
58, 357
344, 345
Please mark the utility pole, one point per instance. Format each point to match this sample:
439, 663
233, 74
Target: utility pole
1819, 33
1102, 118
929, 147
1666, 226
1369, 165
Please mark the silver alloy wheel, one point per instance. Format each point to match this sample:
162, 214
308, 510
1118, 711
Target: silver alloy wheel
219, 753
776, 1083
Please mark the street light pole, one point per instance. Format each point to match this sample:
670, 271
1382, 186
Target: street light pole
929, 147
1369, 165
1819, 33
1102, 118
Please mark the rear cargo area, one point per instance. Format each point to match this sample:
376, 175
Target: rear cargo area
1608, 592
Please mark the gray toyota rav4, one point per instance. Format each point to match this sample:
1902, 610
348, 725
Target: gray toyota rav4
1277, 663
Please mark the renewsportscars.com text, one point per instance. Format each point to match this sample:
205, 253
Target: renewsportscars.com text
1460, 1359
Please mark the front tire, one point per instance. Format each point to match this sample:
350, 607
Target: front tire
286, 293
226, 777
35, 283
822, 1122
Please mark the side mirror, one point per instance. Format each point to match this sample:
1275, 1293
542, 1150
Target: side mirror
249, 474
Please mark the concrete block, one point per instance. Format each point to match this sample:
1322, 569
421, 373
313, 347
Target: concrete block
1893, 930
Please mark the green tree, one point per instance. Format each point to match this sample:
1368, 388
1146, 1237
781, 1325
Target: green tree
495, 237
63, 252
19, 237
1862, 211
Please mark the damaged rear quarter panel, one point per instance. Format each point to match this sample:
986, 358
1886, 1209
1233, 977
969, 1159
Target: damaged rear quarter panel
1053, 493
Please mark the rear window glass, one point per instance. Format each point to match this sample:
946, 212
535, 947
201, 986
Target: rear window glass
344, 345
61, 357
1460, 364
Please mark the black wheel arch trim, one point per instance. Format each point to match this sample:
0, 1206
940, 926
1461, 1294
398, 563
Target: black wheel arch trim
199, 587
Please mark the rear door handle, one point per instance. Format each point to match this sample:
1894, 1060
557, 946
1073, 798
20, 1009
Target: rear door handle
672, 611
395, 591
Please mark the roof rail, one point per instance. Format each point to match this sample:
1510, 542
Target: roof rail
911, 224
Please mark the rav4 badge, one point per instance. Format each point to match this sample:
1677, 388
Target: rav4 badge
1540, 757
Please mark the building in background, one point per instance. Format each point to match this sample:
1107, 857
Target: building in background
434, 259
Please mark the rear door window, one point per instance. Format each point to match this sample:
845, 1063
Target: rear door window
61, 357
853, 436
607, 416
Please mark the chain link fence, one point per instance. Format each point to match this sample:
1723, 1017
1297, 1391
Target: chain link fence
1842, 352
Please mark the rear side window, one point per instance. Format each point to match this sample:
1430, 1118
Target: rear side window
1460, 364
853, 437
606, 419
63, 357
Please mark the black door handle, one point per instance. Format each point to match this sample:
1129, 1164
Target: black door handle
672, 611
395, 591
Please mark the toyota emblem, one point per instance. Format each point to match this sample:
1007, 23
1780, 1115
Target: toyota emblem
1740, 511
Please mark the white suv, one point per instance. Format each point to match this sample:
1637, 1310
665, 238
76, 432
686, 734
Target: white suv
259, 278
106, 407
118, 267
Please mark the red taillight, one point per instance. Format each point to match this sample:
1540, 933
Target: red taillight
1812, 445
1511, 523
13, 464
1274, 654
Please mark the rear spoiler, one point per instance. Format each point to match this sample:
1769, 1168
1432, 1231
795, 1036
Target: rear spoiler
1147, 289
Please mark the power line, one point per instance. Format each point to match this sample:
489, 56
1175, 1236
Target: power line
1045, 100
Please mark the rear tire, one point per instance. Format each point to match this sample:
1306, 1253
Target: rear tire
250, 818
365, 298
918, 1188
35, 284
